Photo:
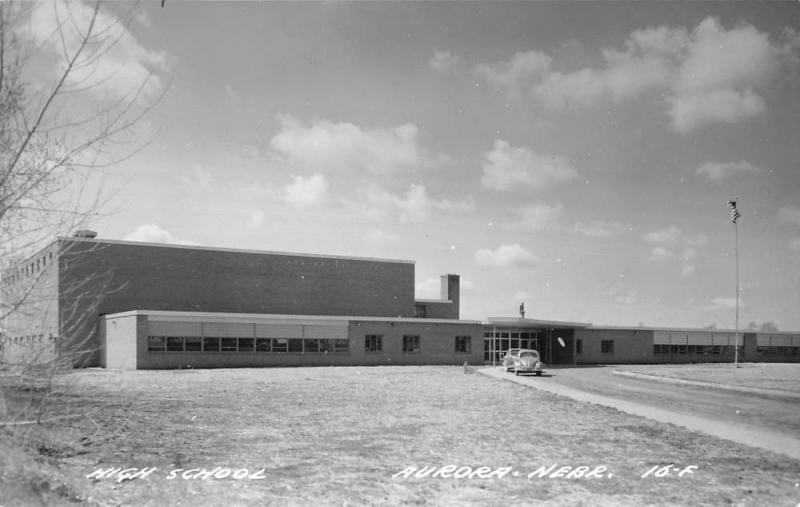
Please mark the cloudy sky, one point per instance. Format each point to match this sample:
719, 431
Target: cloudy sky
574, 156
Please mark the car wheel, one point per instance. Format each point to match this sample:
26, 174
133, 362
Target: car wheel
516, 373
538, 374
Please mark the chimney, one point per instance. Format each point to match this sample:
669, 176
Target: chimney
451, 289
85, 233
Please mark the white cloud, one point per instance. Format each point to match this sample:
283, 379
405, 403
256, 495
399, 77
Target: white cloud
538, 217
255, 220
789, 215
114, 64
690, 112
601, 229
198, 177
506, 167
719, 170
724, 303
512, 74
414, 206
631, 297
153, 233
327, 147
304, 192
659, 253
506, 255
444, 61
709, 75
381, 236
668, 236
430, 288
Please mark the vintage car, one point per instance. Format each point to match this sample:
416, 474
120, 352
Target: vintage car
527, 361
508, 359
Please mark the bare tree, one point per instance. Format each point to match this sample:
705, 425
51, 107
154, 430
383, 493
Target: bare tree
64, 118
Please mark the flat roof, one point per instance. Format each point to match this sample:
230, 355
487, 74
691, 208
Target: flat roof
165, 315
233, 250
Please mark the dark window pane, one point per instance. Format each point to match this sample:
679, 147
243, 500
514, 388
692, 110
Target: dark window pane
174, 344
193, 344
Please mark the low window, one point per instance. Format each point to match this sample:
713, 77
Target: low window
311, 346
607, 346
463, 344
341, 345
280, 345
326, 346
682, 349
228, 345
174, 344
411, 343
246, 344
156, 343
211, 344
262, 345
373, 343
193, 344
295, 345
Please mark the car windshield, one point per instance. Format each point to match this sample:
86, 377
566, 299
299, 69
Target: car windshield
528, 354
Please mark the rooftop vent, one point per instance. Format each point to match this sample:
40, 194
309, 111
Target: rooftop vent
85, 233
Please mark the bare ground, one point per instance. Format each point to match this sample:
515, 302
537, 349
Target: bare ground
339, 435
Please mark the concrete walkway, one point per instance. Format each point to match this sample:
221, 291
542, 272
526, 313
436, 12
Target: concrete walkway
769, 393
772, 441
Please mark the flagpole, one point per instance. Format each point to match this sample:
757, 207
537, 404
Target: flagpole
736, 348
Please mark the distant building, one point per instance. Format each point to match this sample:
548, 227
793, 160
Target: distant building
118, 304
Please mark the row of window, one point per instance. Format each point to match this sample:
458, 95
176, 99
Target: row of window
779, 351
31, 338
506, 334
372, 343
411, 343
28, 269
278, 345
693, 349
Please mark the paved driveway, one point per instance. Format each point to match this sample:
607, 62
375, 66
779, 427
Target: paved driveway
747, 418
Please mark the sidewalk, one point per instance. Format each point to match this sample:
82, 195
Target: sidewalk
770, 393
776, 442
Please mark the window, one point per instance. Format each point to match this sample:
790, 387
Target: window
280, 345
228, 344
174, 344
262, 345
311, 346
607, 346
325, 346
373, 343
341, 345
193, 344
579, 346
463, 344
246, 344
156, 343
295, 345
682, 349
411, 343
211, 344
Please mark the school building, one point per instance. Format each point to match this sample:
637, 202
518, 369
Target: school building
130, 305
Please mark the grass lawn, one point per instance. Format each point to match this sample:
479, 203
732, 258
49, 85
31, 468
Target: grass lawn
780, 376
341, 435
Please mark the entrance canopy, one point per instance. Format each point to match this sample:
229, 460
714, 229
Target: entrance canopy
535, 323
553, 339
